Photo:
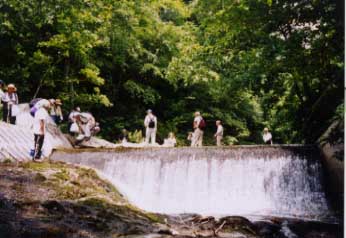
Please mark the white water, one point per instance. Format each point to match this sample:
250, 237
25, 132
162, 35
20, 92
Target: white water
246, 181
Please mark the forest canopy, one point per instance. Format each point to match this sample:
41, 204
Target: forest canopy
249, 63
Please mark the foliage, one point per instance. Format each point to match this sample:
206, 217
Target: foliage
136, 136
250, 63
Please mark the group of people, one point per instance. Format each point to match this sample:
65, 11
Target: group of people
195, 137
82, 125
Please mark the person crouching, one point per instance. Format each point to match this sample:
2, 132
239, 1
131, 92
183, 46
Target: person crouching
40, 121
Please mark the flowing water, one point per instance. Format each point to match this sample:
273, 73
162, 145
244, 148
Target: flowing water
285, 181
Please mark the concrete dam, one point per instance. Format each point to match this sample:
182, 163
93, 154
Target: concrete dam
283, 181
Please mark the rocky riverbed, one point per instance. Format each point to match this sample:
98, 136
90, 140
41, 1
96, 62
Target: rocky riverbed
58, 200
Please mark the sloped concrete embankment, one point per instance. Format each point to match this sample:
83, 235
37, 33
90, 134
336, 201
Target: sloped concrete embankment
16, 141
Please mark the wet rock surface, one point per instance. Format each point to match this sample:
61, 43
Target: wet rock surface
59, 200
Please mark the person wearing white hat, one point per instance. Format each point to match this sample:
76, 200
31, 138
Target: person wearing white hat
39, 128
198, 126
10, 102
150, 123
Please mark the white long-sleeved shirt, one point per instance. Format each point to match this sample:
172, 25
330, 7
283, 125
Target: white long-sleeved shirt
196, 121
267, 136
148, 118
1, 94
219, 131
10, 98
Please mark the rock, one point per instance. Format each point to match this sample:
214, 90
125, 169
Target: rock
53, 206
234, 223
268, 229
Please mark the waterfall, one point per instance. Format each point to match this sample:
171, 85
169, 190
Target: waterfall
261, 180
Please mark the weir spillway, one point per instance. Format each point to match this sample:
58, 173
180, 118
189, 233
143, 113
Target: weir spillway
284, 181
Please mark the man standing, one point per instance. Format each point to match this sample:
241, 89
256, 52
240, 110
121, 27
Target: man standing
219, 133
10, 101
150, 123
40, 121
267, 137
198, 126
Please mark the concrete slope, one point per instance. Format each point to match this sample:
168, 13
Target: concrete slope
16, 141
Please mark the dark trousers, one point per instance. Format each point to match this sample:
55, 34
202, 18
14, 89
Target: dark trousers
7, 114
56, 119
39, 139
269, 142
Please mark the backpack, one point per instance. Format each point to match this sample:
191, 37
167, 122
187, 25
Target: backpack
151, 123
32, 104
202, 124
33, 111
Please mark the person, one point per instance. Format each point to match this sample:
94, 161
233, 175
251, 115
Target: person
150, 123
198, 126
171, 141
267, 136
88, 126
72, 120
219, 133
2, 93
10, 102
39, 128
124, 137
55, 111
190, 138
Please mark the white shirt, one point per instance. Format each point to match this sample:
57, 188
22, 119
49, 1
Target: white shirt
197, 120
41, 114
219, 131
1, 94
148, 118
267, 136
10, 98
170, 142
72, 116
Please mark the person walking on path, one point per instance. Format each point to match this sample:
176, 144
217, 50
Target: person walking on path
150, 123
198, 126
219, 133
39, 127
267, 136
10, 102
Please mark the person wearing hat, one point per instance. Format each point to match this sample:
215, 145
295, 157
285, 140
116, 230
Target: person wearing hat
150, 123
55, 111
198, 126
267, 136
10, 102
39, 128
